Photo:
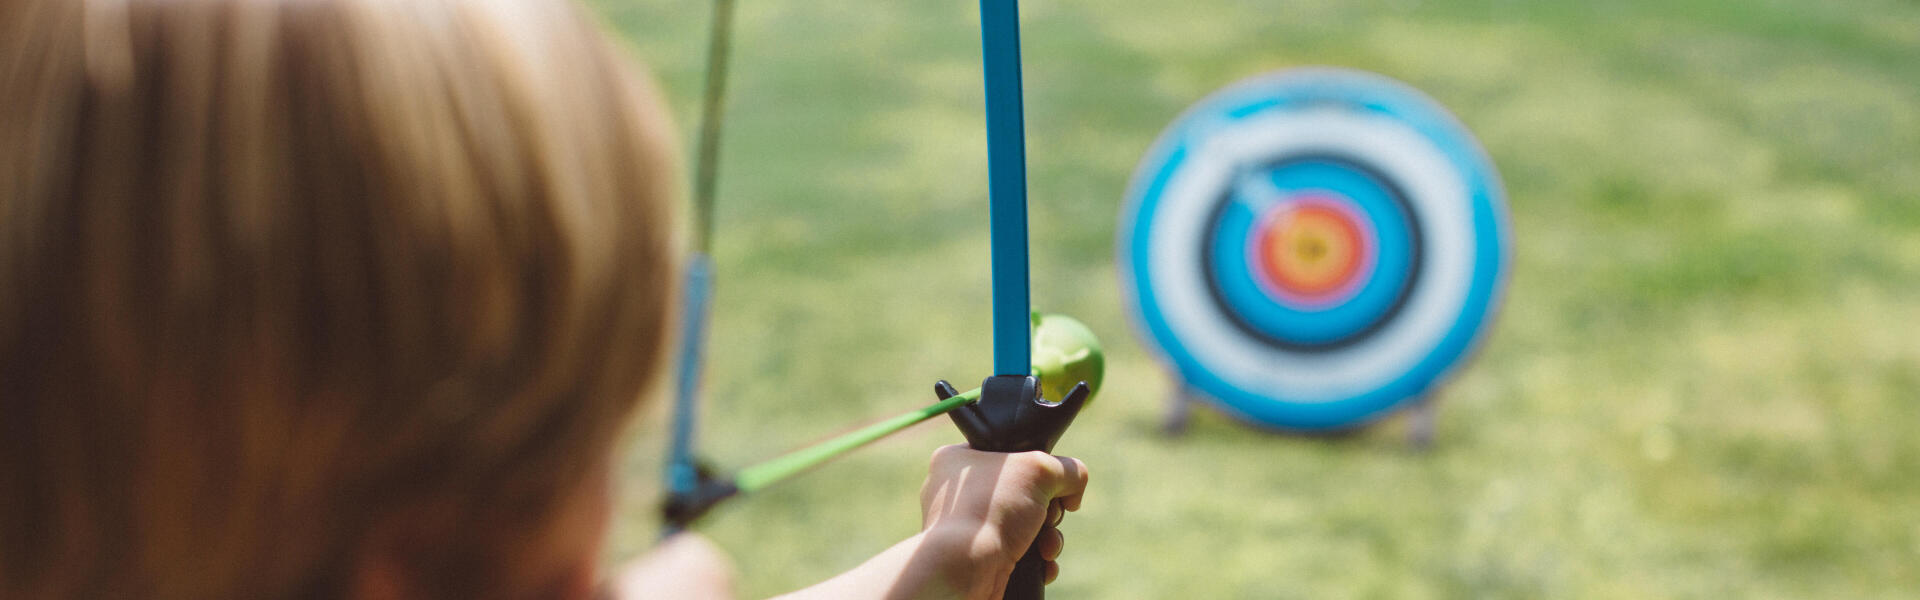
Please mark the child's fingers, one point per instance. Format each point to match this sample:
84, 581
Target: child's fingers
1053, 571
1046, 476
1055, 513
1076, 474
949, 452
1067, 475
1052, 543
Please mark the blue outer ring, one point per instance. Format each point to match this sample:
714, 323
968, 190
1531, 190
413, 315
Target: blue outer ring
1295, 90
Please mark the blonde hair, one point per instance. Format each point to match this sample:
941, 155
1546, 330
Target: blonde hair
287, 283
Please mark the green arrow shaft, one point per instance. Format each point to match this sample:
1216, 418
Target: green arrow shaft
758, 477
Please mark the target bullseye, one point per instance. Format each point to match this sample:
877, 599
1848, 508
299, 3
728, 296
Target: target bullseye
1314, 248
1311, 251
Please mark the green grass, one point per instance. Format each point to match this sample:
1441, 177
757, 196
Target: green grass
1705, 382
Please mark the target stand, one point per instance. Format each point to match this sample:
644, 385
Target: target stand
1313, 249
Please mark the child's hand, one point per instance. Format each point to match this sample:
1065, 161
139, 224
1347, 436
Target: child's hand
980, 511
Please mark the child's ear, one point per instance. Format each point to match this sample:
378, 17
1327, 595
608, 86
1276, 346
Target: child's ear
380, 578
390, 562
381, 570
454, 549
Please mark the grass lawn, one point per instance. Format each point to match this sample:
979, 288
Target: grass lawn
1705, 381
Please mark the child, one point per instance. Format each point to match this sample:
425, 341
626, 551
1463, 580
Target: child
353, 298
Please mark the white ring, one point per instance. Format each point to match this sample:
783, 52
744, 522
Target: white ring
1435, 192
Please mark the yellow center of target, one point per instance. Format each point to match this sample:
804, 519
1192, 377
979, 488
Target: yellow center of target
1311, 250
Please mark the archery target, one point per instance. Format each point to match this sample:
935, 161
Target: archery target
1313, 248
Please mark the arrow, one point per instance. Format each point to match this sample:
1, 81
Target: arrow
704, 494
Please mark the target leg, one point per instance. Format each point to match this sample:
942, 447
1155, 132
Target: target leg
1179, 411
1423, 419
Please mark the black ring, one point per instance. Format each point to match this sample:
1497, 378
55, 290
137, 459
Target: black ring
1415, 239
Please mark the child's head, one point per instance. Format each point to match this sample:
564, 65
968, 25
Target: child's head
319, 297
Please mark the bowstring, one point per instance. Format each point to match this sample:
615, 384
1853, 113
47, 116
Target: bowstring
713, 108
1008, 220
683, 472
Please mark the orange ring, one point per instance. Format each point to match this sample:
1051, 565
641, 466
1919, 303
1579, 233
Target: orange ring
1311, 251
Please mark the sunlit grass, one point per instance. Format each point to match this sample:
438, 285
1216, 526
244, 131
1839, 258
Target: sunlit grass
1704, 384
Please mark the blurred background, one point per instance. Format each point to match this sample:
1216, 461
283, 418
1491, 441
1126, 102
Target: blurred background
1704, 383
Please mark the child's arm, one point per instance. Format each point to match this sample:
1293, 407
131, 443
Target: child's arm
980, 510
686, 567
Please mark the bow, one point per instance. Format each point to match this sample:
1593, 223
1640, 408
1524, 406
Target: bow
1009, 412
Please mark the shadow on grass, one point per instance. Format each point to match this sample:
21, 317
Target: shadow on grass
1392, 432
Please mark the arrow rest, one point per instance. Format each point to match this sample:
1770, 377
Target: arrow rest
1012, 416
683, 507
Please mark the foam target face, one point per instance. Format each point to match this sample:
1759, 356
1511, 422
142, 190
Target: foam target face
1313, 248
